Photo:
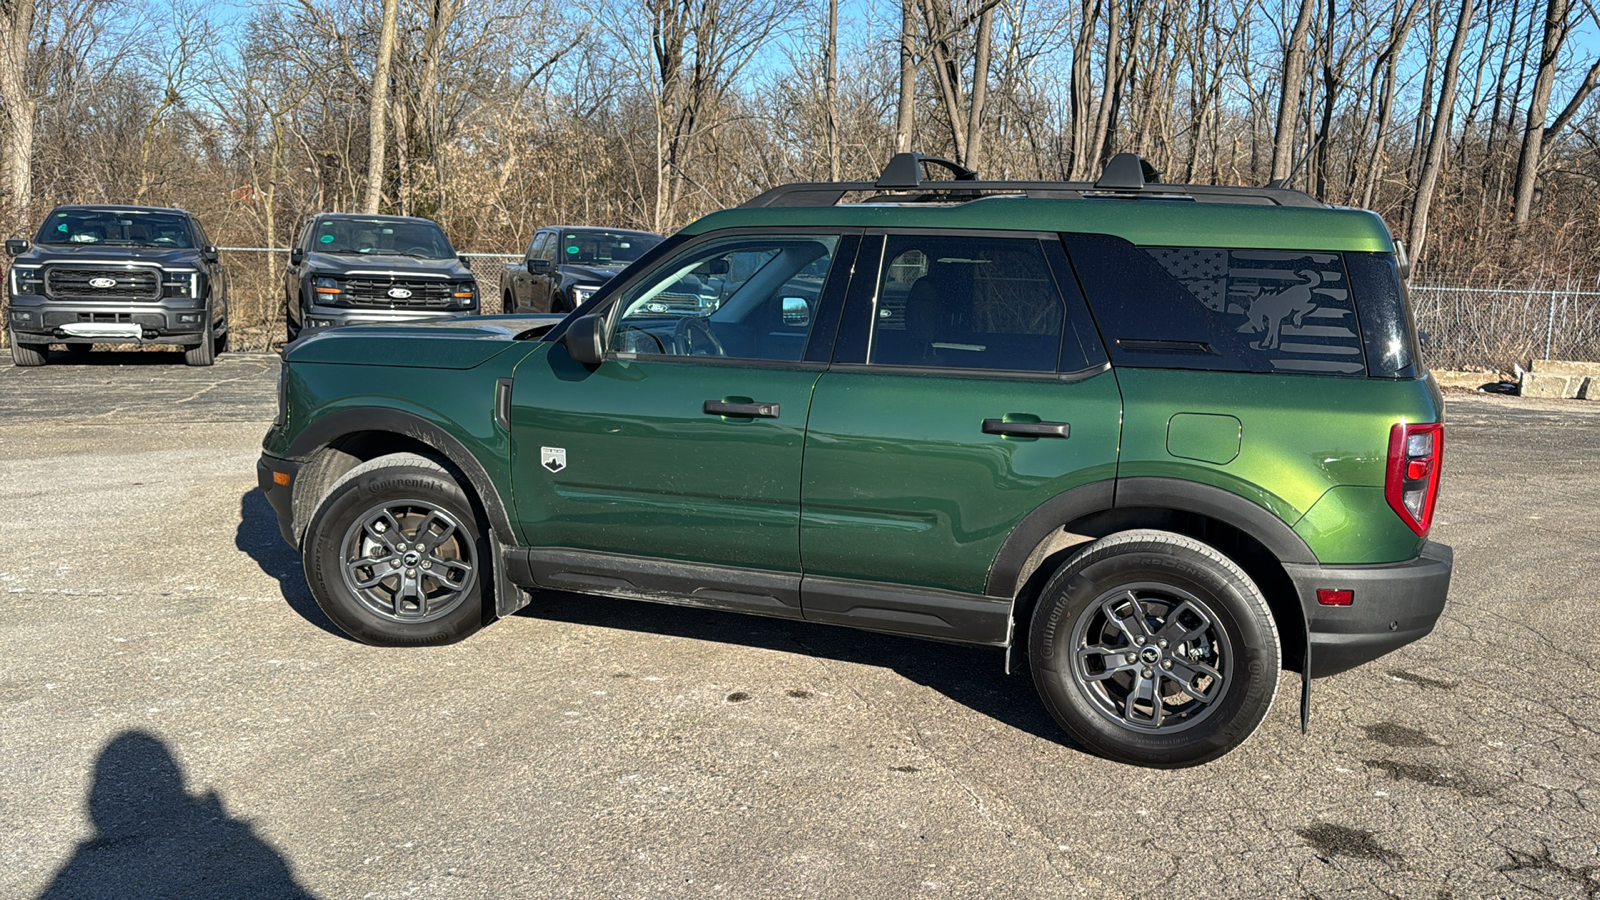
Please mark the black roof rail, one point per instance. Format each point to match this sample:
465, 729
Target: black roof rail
1126, 176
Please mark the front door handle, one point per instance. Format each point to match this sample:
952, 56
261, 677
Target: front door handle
1027, 429
755, 409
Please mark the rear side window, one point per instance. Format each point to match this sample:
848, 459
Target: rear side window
966, 302
1221, 309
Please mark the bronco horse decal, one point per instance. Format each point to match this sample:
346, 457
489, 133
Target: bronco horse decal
1268, 311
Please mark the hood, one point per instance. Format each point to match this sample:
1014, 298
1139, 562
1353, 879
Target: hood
592, 272
385, 264
455, 343
88, 254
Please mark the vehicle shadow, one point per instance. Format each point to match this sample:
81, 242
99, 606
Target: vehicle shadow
161, 356
154, 839
972, 676
258, 537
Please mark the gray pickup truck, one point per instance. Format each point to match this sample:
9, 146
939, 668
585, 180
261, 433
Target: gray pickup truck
117, 275
565, 265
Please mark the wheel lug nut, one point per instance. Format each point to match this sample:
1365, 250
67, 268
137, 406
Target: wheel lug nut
1139, 639
427, 565
411, 571
1161, 643
1166, 664
1131, 657
1149, 672
379, 527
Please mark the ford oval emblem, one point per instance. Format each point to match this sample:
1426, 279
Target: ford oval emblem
399, 293
103, 282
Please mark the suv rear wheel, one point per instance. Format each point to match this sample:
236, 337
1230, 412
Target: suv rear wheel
1154, 649
394, 554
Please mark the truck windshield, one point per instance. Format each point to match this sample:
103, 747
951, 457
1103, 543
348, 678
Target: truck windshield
605, 248
122, 227
378, 235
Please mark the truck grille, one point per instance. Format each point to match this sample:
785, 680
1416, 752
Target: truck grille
376, 292
71, 283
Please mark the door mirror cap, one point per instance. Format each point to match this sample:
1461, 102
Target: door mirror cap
585, 340
535, 266
16, 247
296, 256
209, 254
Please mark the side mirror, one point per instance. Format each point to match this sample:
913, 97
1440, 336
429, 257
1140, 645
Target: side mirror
209, 254
16, 247
296, 256
535, 266
585, 340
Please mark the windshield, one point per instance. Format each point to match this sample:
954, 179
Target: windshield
605, 248
122, 227
403, 238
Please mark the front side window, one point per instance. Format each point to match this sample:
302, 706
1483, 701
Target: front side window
751, 297
116, 227
380, 236
963, 302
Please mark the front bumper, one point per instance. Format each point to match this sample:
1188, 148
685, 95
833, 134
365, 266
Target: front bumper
39, 320
335, 316
276, 476
1394, 604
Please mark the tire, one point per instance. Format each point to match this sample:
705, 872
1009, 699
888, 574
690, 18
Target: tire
205, 352
28, 355
1205, 643
219, 344
352, 535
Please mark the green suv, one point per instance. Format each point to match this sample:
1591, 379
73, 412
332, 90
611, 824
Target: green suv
1161, 441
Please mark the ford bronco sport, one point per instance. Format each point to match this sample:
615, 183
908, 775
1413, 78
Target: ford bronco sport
1161, 441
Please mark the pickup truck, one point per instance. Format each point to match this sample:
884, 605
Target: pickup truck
349, 269
565, 265
117, 275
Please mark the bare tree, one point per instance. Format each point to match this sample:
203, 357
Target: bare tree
1291, 81
378, 108
1418, 230
17, 108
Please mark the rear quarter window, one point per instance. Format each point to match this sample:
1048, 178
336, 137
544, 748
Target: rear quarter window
1222, 309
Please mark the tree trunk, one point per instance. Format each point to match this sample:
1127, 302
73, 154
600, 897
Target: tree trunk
1555, 34
1294, 71
1418, 232
378, 107
904, 122
980, 90
17, 108
830, 89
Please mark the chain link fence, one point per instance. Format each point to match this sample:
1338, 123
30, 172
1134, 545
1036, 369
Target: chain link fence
1473, 326
1492, 327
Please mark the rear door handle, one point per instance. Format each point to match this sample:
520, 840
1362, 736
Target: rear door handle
1027, 429
755, 410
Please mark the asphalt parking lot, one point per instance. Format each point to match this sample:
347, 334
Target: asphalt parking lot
180, 719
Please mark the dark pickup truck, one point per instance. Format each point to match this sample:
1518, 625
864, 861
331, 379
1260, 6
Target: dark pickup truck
117, 275
349, 269
565, 265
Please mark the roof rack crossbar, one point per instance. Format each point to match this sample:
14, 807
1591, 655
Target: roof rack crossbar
1126, 176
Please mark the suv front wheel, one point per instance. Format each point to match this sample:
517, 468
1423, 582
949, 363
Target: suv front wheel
394, 554
1154, 649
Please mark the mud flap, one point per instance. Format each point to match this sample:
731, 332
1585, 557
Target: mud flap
508, 598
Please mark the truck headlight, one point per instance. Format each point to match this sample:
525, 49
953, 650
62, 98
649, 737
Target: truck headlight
180, 284
464, 295
328, 292
581, 293
26, 280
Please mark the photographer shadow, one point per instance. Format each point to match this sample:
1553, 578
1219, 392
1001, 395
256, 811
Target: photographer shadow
154, 839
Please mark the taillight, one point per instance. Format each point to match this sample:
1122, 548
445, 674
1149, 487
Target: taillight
1412, 482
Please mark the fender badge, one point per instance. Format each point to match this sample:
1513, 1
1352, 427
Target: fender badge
553, 458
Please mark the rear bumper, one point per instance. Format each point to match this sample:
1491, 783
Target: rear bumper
270, 470
1394, 605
